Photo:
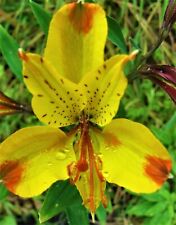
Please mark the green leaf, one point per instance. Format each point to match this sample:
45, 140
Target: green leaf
8, 220
3, 192
60, 196
101, 214
121, 113
41, 15
167, 134
170, 126
140, 208
9, 49
144, 208
77, 214
164, 218
161, 195
115, 34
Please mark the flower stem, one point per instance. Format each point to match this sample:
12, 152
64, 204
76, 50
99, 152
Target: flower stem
135, 72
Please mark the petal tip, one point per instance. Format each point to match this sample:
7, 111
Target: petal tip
133, 55
22, 55
82, 16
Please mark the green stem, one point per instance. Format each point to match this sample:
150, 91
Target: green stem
135, 73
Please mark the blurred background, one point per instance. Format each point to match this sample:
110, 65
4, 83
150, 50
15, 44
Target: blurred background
144, 102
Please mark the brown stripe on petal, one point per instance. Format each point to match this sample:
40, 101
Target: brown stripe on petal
104, 66
48, 84
41, 59
157, 169
11, 173
82, 15
62, 81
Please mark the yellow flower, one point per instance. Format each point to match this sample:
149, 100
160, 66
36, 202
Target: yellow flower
72, 84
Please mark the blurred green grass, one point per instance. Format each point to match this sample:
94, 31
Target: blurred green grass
143, 102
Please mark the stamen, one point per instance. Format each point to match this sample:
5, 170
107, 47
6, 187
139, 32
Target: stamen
82, 164
91, 167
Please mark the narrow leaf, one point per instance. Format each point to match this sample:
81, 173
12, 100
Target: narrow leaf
171, 124
3, 192
115, 34
9, 49
41, 15
101, 214
60, 196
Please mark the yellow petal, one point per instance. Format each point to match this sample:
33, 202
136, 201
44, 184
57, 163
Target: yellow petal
76, 40
104, 88
57, 101
132, 157
33, 158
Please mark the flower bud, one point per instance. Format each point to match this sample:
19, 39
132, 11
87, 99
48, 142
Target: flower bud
9, 106
163, 75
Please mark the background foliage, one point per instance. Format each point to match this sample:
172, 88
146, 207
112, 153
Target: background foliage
144, 102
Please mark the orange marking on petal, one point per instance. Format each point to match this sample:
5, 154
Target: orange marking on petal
81, 16
111, 140
158, 169
11, 174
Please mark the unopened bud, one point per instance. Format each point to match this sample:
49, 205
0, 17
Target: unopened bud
163, 75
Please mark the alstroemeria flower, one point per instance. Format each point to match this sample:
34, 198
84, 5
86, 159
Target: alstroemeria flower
72, 84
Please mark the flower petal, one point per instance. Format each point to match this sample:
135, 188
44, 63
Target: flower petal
104, 88
132, 157
57, 101
76, 40
33, 158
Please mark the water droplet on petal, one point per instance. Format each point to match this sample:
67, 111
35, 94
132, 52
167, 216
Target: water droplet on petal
114, 150
105, 174
66, 150
50, 164
100, 155
60, 155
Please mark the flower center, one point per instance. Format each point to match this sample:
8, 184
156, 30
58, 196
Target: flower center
89, 169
